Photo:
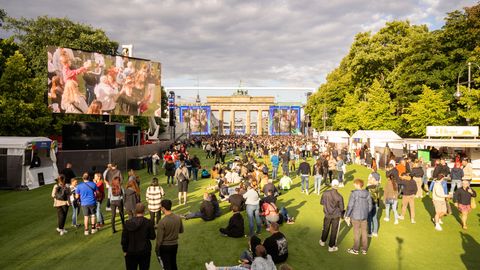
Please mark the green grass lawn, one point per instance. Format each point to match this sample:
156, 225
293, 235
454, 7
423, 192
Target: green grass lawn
28, 239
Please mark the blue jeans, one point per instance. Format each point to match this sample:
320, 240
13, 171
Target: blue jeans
394, 208
317, 183
195, 173
455, 183
373, 220
274, 172
74, 215
340, 176
99, 213
304, 182
284, 213
253, 214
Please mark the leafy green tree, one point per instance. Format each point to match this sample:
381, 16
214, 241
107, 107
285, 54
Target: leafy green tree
379, 110
471, 105
23, 110
348, 116
432, 109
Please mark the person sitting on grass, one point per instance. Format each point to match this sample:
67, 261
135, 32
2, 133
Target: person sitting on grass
235, 226
285, 183
216, 205
262, 261
269, 212
237, 199
207, 210
276, 245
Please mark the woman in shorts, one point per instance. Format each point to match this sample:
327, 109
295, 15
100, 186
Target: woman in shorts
463, 200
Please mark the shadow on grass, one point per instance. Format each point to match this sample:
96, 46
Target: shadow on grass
470, 258
348, 177
399, 252
428, 204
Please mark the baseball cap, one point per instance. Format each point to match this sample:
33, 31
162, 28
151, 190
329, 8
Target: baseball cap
335, 183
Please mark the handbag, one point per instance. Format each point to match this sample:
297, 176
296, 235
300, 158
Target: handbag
473, 203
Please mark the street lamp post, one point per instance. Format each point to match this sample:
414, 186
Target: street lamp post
458, 93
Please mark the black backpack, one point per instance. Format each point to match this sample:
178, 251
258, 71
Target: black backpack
61, 193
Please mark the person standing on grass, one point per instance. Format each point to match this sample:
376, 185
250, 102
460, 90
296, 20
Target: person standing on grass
116, 193
304, 171
463, 201
252, 200
408, 198
390, 198
86, 192
68, 173
182, 177
333, 208
439, 197
374, 188
154, 197
60, 195
75, 203
167, 236
132, 197
136, 237
99, 195
155, 161
417, 173
339, 167
275, 160
170, 171
457, 175
195, 167
359, 205
317, 176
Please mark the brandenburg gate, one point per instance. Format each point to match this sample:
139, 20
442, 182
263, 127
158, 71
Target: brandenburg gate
238, 102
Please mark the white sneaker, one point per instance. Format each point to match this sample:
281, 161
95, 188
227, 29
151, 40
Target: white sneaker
341, 185
374, 234
413, 221
59, 230
386, 219
64, 231
332, 249
321, 243
94, 231
401, 217
86, 232
210, 266
396, 222
438, 227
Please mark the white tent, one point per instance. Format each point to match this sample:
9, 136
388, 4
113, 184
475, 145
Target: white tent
377, 141
17, 154
335, 136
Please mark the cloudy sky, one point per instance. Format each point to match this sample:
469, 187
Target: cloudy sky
218, 43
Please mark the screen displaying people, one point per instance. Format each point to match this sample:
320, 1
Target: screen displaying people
197, 119
93, 83
284, 120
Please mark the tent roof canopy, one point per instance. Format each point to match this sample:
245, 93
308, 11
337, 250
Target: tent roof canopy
20, 142
381, 135
467, 143
337, 134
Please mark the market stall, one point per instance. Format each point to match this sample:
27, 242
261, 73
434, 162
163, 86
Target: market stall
381, 144
27, 162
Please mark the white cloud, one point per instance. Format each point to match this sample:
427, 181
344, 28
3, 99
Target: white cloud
285, 43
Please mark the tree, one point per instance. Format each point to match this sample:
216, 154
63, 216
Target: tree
379, 110
33, 36
23, 110
432, 109
471, 102
348, 116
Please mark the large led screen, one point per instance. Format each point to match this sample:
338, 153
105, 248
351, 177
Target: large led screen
92, 83
197, 119
284, 120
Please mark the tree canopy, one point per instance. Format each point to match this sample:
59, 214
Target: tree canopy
385, 75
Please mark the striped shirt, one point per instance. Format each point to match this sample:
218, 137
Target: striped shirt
154, 197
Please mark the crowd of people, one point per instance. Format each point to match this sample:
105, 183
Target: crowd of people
250, 180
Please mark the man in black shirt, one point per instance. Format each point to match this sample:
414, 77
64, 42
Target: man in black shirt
333, 208
236, 200
442, 168
207, 211
136, 237
304, 170
276, 245
68, 173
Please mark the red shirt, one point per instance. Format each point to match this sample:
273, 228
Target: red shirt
101, 190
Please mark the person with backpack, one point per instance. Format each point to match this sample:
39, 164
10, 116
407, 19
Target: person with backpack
269, 213
86, 192
99, 196
115, 193
60, 195
132, 197
154, 197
